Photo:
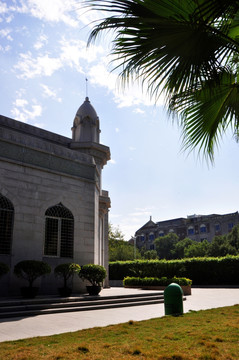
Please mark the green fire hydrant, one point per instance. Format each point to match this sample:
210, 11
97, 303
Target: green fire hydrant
173, 300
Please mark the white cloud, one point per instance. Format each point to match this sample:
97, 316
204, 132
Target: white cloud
139, 111
132, 148
23, 111
70, 54
112, 161
40, 42
31, 67
100, 76
117, 130
5, 33
123, 97
9, 19
3, 8
47, 92
5, 49
21, 102
51, 10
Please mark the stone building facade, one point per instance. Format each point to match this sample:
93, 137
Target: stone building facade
52, 206
195, 227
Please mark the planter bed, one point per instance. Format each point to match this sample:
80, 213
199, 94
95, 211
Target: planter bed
186, 289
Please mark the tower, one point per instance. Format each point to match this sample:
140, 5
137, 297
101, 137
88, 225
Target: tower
86, 139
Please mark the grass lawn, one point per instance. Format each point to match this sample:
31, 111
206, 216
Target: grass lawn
205, 335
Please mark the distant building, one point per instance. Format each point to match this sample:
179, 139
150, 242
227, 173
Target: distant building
195, 227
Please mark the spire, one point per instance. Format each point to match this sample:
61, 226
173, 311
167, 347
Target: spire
86, 87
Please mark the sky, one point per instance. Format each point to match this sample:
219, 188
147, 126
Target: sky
44, 61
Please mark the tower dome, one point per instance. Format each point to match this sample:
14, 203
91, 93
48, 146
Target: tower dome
86, 109
86, 124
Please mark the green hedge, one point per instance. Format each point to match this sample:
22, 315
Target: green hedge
202, 271
152, 281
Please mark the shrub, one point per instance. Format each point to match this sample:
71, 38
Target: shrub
202, 271
95, 274
30, 270
4, 269
151, 281
145, 268
66, 271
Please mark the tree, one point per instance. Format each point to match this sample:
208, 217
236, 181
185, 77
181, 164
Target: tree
179, 248
197, 249
233, 238
165, 245
120, 249
223, 245
187, 50
150, 254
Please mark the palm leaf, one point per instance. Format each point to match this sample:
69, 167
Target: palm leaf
187, 49
207, 113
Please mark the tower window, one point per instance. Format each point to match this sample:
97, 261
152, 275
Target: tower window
6, 225
59, 232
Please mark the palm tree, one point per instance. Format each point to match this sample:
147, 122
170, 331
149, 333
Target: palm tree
186, 49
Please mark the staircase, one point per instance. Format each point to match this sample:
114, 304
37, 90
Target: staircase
52, 305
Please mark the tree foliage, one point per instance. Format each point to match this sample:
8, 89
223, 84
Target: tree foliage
165, 244
170, 247
30, 270
119, 249
187, 50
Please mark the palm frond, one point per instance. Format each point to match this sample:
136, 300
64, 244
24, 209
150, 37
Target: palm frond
207, 113
187, 49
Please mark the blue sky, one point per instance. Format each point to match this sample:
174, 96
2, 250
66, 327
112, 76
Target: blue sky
43, 65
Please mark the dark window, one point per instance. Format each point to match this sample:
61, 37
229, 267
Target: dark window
191, 231
203, 228
217, 227
6, 225
230, 226
151, 237
59, 232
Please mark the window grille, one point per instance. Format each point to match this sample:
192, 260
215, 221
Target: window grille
6, 225
59, 232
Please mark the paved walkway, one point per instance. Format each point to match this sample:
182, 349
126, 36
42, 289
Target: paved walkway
41, 325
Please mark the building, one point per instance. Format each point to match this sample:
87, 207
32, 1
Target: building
195, 227
52, 206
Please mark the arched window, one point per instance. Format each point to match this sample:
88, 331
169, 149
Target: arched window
6, 225
151, 236
59, 232
161, 233
217, 227
190, 230
142, 237
203, 228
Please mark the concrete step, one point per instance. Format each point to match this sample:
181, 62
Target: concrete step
22, 308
